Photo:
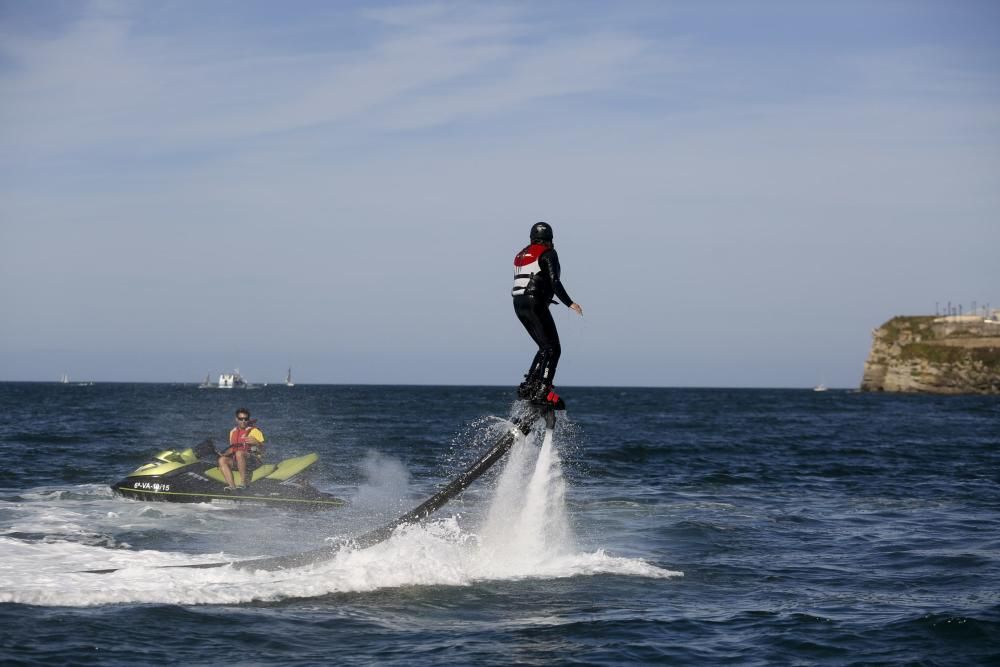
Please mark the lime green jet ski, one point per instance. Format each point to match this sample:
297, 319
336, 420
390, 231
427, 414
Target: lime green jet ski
192, 475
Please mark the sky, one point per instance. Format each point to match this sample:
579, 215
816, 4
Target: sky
740, 192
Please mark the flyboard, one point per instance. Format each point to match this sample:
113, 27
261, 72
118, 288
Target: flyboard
522, 426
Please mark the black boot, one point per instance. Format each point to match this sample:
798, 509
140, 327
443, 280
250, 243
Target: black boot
540, 394
527, 388
547, 397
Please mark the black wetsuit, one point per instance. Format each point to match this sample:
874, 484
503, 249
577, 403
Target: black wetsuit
534, 287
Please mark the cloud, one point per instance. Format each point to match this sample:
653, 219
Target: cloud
102, 86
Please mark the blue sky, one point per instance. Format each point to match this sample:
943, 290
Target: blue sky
740, 192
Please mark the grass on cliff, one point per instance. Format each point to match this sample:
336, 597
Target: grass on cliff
919, 325
989, 357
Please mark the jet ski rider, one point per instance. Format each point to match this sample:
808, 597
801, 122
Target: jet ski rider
536, 281
245, 440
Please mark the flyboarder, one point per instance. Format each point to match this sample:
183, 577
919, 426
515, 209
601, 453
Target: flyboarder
536, 281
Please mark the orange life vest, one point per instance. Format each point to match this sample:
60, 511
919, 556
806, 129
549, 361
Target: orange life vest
238, 438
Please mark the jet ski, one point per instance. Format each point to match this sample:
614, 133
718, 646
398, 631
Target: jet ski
192, 475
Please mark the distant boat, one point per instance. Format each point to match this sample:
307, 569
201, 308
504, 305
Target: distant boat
207, 384
288, 379
232, 381
65, 380
820, 387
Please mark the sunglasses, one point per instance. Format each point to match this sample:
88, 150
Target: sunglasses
242, 419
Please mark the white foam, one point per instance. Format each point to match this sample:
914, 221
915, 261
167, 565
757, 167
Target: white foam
524, 534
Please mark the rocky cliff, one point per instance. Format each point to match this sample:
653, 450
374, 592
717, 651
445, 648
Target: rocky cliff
935, 355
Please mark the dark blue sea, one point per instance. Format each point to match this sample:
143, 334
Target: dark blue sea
667, 526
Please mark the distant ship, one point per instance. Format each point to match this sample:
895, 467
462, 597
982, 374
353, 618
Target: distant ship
64, 379
820, 387
232, 381
226, 381
288, 379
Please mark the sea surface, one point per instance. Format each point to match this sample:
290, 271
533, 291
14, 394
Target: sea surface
667, 526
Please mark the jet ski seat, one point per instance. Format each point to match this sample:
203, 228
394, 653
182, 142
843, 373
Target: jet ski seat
255, 474
280, 472
291, 467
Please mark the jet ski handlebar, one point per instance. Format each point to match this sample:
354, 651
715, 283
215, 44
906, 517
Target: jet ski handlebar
206, 449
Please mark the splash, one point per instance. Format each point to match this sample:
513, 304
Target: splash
387, 482
525, 533
526, 525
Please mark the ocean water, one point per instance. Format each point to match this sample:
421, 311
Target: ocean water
668, 526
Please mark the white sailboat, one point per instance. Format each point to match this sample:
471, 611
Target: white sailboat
288, 379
